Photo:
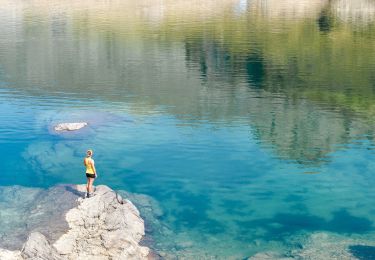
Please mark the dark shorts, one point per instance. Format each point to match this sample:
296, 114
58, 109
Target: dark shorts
90, 175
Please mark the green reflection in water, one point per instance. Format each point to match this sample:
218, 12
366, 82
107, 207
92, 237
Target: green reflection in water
302, 77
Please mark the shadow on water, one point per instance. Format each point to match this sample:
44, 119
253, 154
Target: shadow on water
285, 224
363, 252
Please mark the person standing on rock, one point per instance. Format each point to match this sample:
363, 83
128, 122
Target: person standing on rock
90, 172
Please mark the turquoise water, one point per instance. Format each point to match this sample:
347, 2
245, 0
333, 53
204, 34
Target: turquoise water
251, 125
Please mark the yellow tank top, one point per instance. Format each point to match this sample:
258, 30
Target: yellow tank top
88, 163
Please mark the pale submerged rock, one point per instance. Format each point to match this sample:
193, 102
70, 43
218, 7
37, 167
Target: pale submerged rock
70, 126
42, 209
269, 256
319, 246
326, 246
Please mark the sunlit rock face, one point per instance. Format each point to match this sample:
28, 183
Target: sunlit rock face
103, 226
10, 255
66, 226
38, 247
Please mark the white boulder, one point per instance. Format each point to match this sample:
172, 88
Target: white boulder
70, 126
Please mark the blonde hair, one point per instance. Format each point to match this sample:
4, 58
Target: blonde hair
89, 152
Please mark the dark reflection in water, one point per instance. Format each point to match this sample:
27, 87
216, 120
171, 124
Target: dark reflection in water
255, 70
326, 19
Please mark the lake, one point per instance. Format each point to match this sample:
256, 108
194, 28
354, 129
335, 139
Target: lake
250, 124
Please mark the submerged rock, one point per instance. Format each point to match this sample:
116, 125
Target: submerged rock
325, 246
26, 210
70, 126
269, 256
322, 245
101, 227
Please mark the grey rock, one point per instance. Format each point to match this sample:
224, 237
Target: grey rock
103, 228
38, 248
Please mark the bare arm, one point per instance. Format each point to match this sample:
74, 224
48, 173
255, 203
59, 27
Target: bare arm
93, 166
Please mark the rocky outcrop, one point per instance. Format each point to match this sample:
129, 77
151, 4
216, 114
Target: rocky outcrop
69, 126
100, 227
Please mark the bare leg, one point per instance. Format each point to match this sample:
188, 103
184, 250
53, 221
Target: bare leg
88, 185
92, 185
